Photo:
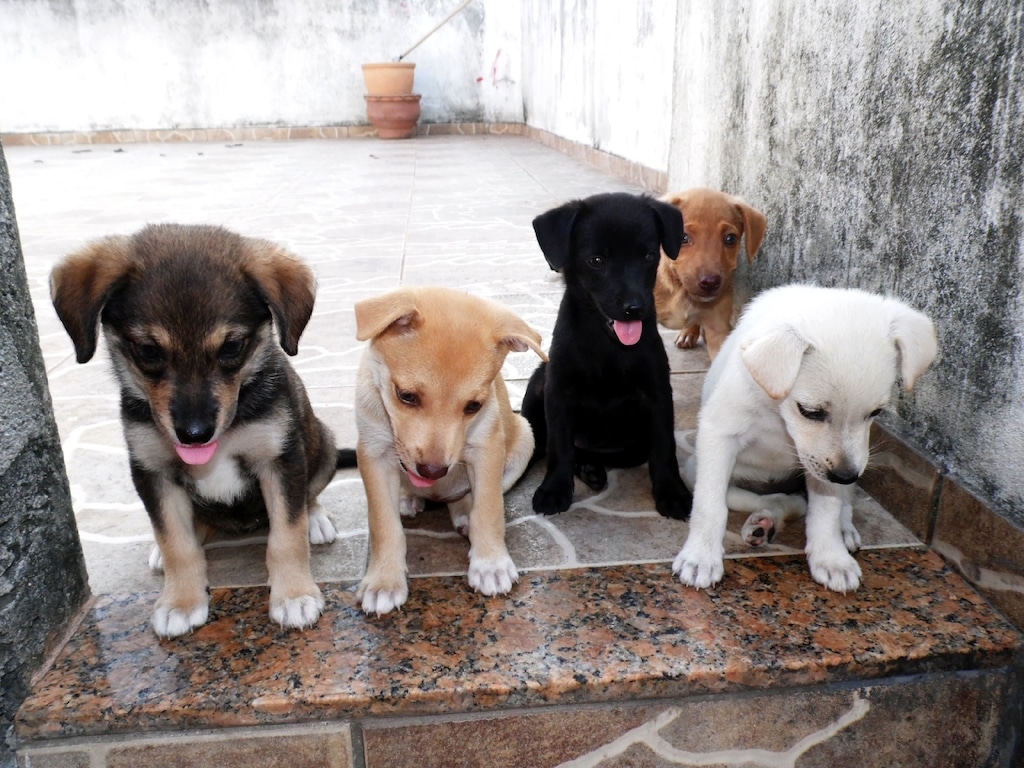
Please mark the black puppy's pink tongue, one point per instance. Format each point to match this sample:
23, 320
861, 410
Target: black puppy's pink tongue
628, 331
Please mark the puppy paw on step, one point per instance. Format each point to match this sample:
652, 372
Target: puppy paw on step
321, 529
836, 570
697, 567
172, 619
379, 596
297, 612
758, 530
851, 537
492, 577
550, 500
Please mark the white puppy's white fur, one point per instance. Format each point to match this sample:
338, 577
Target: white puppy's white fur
794, 390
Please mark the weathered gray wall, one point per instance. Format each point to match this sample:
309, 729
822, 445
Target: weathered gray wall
127, 64
885, 142
42, 572
599, 72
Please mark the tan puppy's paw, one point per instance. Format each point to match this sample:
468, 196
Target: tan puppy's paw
176, 616
492, 576
296, 610
156, 559
688, 338
321, 528
380, 596
410, 506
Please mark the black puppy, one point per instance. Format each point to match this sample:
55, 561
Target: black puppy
604, 399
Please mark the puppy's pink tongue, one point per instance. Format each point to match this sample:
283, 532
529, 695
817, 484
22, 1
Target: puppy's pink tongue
419, 482
628, 331
196, 454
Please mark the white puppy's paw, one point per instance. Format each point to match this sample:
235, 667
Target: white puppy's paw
298, 611
851, 537
156, 559
492, 577
382, 596
835, 569
410, 506
170, 620
759, 529
321, 528
698, 566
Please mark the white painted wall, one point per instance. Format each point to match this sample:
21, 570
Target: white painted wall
600, 73
86, 65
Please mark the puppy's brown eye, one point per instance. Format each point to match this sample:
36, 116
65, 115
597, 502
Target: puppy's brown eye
686, 239
731, 239
148, 355
230, 351
409, 398
813, 414
596, 262
473, 406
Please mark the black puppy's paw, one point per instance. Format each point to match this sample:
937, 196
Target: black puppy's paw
675, 503
550, 499
594, 476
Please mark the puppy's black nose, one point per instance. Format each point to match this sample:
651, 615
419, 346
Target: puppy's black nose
431, 471
710, 283
633, 310
842, 476
194, 432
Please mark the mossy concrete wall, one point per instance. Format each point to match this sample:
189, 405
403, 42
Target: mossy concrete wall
885, 142
42, 572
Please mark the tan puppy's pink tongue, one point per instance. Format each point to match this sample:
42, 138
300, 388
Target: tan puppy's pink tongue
419, 482
196, 454
628, 331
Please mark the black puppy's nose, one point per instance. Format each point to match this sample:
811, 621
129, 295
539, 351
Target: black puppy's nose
710, 283
431, 471
633, 311
194, 432
842, 476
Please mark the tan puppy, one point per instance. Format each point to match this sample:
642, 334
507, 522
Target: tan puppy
435, 424
695, 291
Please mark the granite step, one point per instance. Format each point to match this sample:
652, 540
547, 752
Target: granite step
614, 665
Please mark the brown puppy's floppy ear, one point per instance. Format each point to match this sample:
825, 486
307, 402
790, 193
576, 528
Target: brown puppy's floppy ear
554, 233
513, 332
670, 226
774, 360
755, 224
286, 285
914, 336
82, 283
376, 315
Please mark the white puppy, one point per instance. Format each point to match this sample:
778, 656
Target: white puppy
793, 393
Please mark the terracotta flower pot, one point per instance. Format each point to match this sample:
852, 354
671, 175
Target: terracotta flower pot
392, 78
394, 117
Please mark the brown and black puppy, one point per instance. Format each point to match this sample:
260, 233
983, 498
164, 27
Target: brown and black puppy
220, 431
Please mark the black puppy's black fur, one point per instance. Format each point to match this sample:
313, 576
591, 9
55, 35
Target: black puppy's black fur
599, 402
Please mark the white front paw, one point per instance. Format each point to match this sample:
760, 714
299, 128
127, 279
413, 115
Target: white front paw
492, 577
835, 569
299, 611
156, 559
321, 529
171, 621
382, 597
699, 566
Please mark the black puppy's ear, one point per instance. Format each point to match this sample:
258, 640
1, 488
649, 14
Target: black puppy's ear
670, 226
554, 233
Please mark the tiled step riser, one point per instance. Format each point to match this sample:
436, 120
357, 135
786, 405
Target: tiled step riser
934, 720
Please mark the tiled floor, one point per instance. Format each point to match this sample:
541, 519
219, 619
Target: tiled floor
368, 215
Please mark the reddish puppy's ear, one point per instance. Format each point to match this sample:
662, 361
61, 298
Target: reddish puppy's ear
286, 285
82, 284
374, 316
670, 226
755, 225
554, 233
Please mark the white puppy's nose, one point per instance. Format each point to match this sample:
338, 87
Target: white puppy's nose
843, 476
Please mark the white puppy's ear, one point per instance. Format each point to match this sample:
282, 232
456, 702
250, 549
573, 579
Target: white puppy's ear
914, 336
774, 360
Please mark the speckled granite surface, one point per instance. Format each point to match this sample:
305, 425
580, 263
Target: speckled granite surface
565, 636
